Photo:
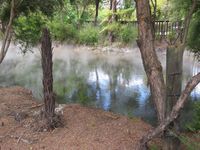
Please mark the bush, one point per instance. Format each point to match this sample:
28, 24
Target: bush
63, 32
195, 124
111, 27
28, 29
128, 33
89, 35
194, 36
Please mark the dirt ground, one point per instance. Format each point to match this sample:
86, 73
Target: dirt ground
84, 128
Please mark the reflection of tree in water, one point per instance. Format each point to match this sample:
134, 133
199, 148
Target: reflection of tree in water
71, 83
119, 75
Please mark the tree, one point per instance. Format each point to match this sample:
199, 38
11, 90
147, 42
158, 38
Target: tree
81, 6
47, 64
154, 72
96, 11
112, 18
8, 33
13, 9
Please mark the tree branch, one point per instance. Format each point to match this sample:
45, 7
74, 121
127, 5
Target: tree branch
8, 33
174, 113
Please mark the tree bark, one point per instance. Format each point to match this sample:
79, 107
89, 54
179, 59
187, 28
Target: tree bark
8, 33
111, 4
153, 69
174, 113
174, 70
47, 64
112, 19
151, 63
96, 12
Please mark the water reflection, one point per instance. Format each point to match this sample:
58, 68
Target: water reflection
112, 82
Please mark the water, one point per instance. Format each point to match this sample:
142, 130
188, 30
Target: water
111, 81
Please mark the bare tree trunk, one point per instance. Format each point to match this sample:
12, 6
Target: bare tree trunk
151, 63
8, 33
112, 19
97, 11
174, 65
174, 71
49, 100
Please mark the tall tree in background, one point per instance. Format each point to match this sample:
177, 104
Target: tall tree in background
154, 72
96, 11
112, 18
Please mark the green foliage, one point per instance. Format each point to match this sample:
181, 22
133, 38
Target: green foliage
89, 35
126, 14
111, 27
172, 36
81, 6
194, 35
24, 7
128, 33
154, 147
63, 32
66, 15
4, 11
195, 124
190, 145
28, 29
128, 3
177, 11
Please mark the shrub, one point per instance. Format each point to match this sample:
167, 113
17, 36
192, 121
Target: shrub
89, 35
194, 36
28, 29
194, 125
128, 33
63, 32
111, 27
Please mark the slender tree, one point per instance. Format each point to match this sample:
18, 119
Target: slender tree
154, 72
112, 18
96, 11
8, 33
47, 64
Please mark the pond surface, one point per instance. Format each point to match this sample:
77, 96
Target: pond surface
112, 81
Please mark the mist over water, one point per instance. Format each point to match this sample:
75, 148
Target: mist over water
111, 81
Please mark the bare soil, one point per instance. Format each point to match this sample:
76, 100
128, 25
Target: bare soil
84, 128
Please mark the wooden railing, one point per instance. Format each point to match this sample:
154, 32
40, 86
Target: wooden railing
162, 28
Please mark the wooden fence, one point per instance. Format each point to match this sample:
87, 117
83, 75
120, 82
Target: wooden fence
162, 28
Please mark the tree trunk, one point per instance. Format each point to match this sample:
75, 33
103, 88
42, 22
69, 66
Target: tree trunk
49, 100
96, 12
151, 63
111, 4
112, 19
174, 67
